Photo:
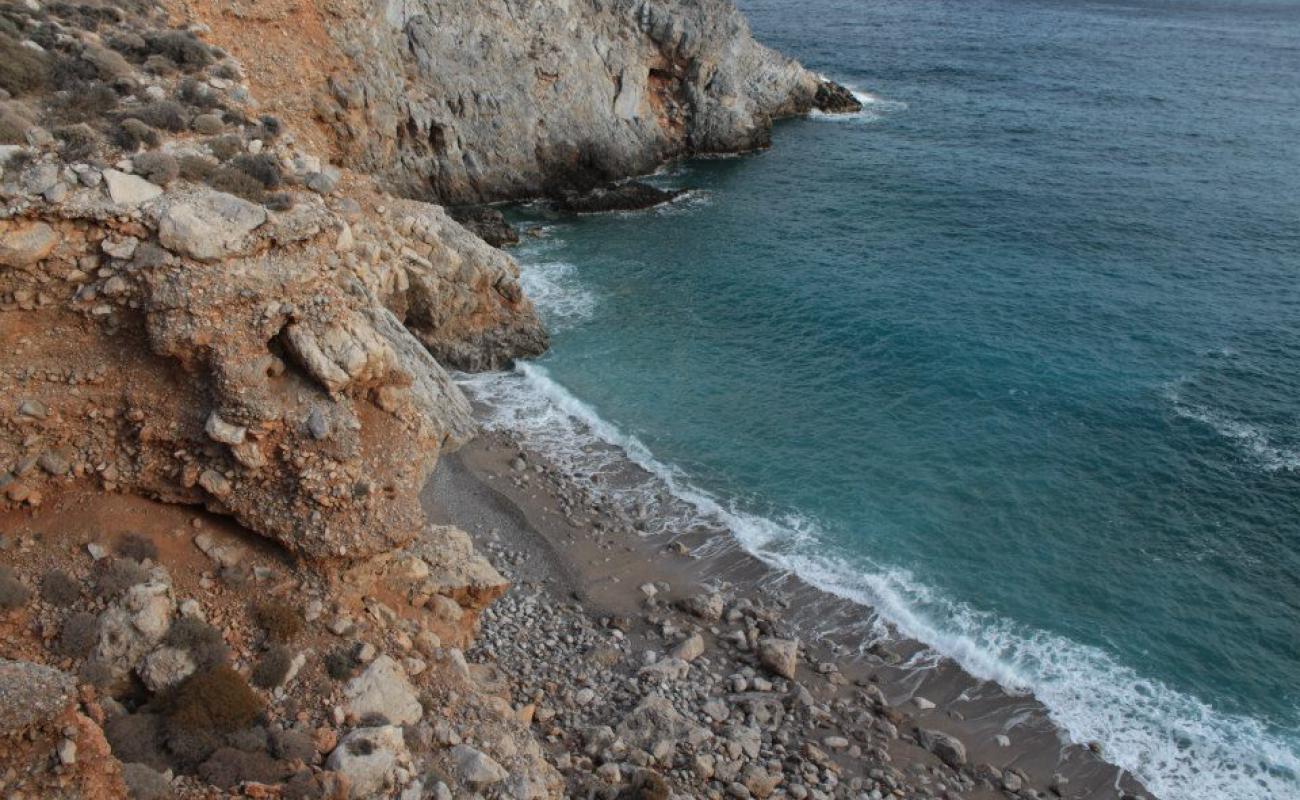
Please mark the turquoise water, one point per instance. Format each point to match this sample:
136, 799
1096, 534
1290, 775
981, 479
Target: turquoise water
1013, 356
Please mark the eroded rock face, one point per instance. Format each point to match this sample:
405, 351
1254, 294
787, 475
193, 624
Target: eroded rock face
473, 101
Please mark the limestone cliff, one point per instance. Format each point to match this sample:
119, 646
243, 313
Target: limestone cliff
469, 101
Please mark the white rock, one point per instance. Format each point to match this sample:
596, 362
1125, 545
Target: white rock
475, 768
384, 690
219, 430
209, 226
690, 649
129, 190
369, 758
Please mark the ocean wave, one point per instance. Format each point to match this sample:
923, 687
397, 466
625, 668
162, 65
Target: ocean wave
1257, 442
555, 289
1181, 748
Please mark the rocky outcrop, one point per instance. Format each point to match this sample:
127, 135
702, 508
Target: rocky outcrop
278, 356
469, 101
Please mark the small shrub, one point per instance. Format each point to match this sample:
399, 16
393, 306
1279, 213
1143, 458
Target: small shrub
60, 589
208, 124
280, 201
130, 133
191, 747
273, 667
340, 663
79, 634
133, 545
96, 673
182, 47
130, 44
22, 70
162, 114
373, 719
226, 147
13, 592
226, 70
238, 183
196, 168
269, 128
281, 621
117, 576
137, 739
265, 168
77, 142
292, 745
217, 699
203, 642
199, 95
162, 169
160, 65
14, 123
228, 767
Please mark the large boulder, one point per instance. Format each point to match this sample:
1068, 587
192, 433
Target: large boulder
369, 758
384, 690
208, 225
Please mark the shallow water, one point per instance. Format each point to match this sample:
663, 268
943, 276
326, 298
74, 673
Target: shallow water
1013, 356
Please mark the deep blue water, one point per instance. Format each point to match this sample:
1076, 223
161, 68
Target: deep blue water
1014, 356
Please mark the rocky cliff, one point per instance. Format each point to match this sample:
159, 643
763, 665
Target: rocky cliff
204, 304
469, 101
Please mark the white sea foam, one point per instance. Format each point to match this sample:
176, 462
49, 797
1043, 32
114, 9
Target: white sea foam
873, 108
1257, 442
1181, 748
555, 288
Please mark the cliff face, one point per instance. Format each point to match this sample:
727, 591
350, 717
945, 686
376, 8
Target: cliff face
470, 101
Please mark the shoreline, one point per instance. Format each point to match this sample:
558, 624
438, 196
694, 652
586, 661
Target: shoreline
514, 500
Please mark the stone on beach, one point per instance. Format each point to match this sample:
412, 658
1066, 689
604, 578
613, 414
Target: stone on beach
781, 656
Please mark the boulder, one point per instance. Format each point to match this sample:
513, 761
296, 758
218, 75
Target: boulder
706, 606
383, 689
25, 244
131, 626
369, 758
947, 747
129, 190
209, 225
656, 720
475, 768
781, 656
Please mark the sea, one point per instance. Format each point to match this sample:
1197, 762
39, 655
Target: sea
1011, 358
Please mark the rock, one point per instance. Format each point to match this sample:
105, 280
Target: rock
629, 196
922, 703
209, 225
368, 758
129, 190
706, 606
145, 783
67, 752
165, 667
781, 656
947, 747
219, 430
1011, 781
24, 244
214, 483
32, 695
717, 710
690, 649
488, 224
833, 98
325, 181
475, 768
759, 782
131, 626
654, 720
383, 689
635, 82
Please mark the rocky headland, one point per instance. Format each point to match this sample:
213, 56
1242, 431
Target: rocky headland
230, 295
